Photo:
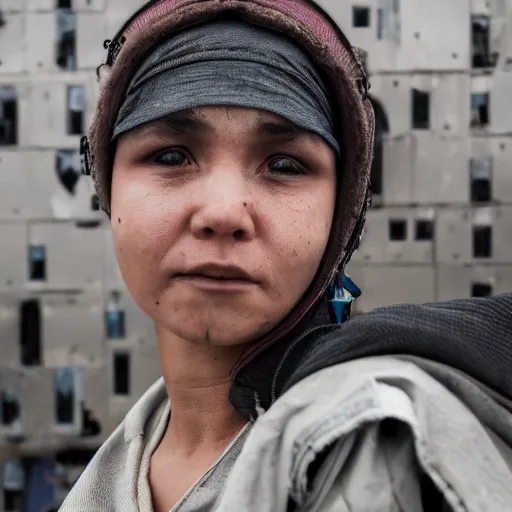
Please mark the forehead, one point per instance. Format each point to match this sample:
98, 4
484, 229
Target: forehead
213, 119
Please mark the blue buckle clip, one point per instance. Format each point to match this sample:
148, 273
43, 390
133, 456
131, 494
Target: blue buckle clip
343, 292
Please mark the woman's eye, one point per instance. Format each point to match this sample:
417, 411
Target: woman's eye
171, 158
286, 166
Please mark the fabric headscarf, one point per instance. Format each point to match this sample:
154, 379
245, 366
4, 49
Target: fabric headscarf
229, 62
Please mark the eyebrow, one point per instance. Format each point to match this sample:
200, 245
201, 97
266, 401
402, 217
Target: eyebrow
189, 121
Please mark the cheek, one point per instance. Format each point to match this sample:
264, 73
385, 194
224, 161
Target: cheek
302, 232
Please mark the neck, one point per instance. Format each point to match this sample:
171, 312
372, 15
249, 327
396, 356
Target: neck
197, 378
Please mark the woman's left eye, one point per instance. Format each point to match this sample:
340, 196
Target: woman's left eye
171, 158
286, 166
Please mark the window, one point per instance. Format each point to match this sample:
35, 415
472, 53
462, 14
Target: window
65, 396
424, 230
76, 109
480, 171
397, 230
8, 116
121, 374
64, 4
37, 262
482, 241
9, 409
479, 110
360, 17
115, 318
30, 332
66, 37
95, 203
67, 165
420, 110
481, 290
480, 39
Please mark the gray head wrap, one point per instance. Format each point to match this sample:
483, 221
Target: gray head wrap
229, 62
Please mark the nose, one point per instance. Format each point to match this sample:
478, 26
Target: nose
226, 210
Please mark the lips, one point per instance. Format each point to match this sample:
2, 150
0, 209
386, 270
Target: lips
218, 273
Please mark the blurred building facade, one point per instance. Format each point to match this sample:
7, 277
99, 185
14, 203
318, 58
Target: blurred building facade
76, 352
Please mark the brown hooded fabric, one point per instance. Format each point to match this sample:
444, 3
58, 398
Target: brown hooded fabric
342, 70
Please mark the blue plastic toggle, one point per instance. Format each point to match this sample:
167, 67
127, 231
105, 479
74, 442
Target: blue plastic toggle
344, 292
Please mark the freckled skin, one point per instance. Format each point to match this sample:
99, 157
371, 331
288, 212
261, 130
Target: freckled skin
224, 203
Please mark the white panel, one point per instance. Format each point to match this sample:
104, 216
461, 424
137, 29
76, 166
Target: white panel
41, 5
92, 30
13, 256
450, 106
41, 47
397, 175
502, 174
9, 330
89, 5
441, 173
434, 35
112, 274
374, 239
73, 330
456, 281
12, 40
13, 180
500, 118
48, 102
12, 5
481, 7
74, 256
394, 93
453, 236
382, 286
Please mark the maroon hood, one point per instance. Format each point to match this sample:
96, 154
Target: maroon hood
329, 49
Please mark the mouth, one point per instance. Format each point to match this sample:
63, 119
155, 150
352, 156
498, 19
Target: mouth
217, 276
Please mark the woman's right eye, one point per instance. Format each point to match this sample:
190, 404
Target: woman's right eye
172, 158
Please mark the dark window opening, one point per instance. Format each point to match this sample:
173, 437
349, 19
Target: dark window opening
65, 396
121, 374
76, 109
13, 501
10, 409
381, 127
482, 241
480, 38
66, 37
481, 179
37, 262
91, 426
95, 203
30, 333
67, 165
424, 230
360, 17
481, 290
8, 116
115, 318
397, 230
420, 110
479, 110
64, 4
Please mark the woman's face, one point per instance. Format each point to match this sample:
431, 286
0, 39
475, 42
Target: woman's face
220, 218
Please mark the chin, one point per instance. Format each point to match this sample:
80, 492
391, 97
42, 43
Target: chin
219, 329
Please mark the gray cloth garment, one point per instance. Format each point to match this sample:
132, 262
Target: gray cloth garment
229, 62
387, 421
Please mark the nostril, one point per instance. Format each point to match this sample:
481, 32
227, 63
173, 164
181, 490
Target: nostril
208, 231
238, 234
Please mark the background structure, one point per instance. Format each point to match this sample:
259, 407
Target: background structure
76, 353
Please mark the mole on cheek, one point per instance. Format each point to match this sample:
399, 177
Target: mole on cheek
157, 303
119, 221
